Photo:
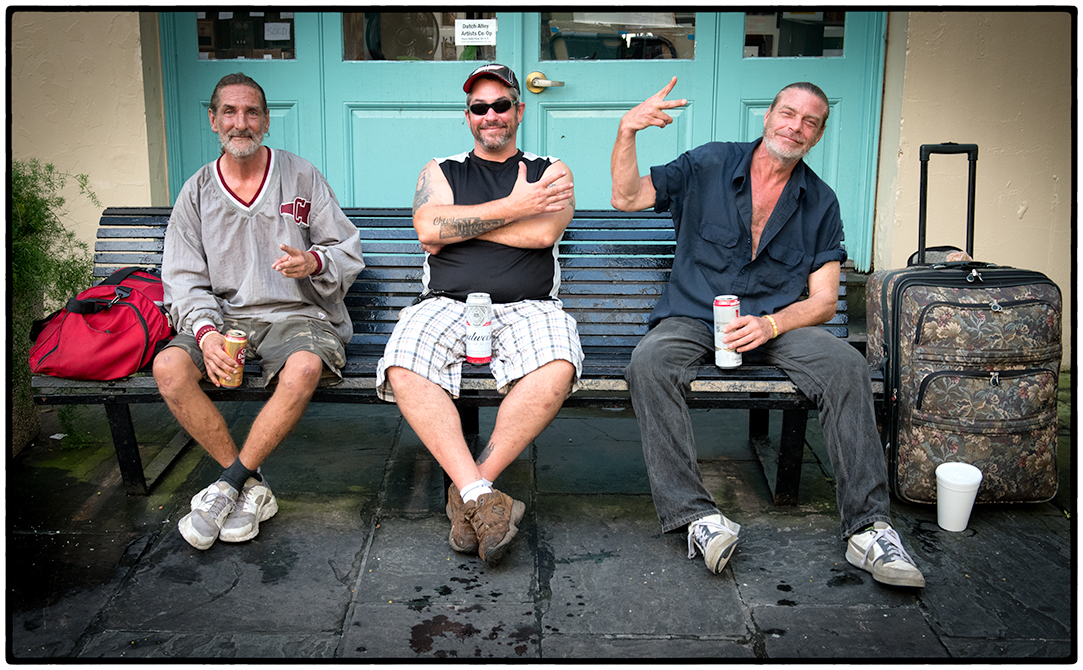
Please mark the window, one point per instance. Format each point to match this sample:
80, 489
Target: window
617, 35
257, 35
426, 36
788, 34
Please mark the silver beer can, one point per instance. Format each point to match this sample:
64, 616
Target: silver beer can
479, 328
726, 309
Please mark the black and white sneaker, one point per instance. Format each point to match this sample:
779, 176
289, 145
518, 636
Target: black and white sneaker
879, 551
715, 537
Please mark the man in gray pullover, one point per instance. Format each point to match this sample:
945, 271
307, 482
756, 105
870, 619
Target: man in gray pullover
256, 242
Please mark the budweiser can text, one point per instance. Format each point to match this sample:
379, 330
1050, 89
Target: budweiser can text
236, 346
726, 309
479, 328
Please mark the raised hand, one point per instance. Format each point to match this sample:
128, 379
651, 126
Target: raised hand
651, 112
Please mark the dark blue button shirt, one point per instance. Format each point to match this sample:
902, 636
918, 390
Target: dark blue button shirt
708, 191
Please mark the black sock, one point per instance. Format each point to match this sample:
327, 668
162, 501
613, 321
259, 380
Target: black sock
236, 475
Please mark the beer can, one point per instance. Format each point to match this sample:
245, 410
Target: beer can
479, 328
236, 346
726, 309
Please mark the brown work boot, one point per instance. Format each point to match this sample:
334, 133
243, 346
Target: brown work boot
494, 516
463, 538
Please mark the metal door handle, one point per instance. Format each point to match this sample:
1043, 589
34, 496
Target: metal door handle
536, 82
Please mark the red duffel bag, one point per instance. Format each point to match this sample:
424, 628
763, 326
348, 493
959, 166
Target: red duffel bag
106, 332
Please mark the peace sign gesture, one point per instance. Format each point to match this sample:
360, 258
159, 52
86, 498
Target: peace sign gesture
650, 111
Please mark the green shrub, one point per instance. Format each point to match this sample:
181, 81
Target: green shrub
47, 265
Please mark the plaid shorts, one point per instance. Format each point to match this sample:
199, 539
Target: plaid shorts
429, 340
273, 343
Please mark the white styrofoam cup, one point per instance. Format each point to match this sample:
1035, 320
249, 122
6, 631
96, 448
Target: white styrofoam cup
956, 488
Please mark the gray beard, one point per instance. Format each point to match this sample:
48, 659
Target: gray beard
254, 146
786, 156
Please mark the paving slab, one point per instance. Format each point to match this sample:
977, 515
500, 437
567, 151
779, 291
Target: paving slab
621, 649
855, 633
442, 631
294, 578
160, 646
1005, 577
796, 561
63, 581
606, 569
417, 598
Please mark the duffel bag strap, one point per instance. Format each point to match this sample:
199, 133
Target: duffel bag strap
125, 272
95, 305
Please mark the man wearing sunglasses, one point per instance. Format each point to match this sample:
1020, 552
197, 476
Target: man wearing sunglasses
489, 221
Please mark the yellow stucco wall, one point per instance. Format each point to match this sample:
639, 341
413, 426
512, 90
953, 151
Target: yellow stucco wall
78, 101
1003, 81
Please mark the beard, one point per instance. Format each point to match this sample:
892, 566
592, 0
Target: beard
784, 151
497, 141
254, 144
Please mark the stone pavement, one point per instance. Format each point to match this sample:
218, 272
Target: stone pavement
356, 564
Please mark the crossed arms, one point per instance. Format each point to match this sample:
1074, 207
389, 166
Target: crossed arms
533, 216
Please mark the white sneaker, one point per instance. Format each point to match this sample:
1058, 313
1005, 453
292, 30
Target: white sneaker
879, 551
715, 536
255, 504
210, 507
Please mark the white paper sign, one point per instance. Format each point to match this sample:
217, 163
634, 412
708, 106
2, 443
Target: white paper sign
475, 32
276, 31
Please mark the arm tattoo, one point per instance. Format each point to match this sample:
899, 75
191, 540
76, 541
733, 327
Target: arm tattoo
465, 228
424, 191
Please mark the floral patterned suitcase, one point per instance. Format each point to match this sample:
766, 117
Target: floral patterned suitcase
971, 357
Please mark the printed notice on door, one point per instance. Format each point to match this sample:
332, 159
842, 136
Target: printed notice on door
475, 32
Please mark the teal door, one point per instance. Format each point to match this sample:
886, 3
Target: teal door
293, 97
370, 97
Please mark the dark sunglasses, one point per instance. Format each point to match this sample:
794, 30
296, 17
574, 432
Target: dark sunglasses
482, 108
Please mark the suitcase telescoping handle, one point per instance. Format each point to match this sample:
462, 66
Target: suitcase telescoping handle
971, 151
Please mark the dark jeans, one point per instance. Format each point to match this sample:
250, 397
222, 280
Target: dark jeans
828, 370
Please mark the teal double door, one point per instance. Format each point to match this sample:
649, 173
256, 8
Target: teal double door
370, 125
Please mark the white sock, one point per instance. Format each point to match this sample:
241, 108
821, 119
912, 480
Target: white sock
471, 491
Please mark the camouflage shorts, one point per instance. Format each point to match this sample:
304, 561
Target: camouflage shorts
273, 343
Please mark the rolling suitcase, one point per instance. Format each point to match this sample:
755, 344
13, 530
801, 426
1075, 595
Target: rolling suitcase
971, 354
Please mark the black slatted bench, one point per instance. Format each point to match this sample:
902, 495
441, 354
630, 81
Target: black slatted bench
614, 267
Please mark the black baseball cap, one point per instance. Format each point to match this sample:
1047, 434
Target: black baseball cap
501, 72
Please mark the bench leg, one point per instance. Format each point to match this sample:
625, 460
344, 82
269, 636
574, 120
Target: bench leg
785, 462
759, 421
468, 417
790, 454
131, 466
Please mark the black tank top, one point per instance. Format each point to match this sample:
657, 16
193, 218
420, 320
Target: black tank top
507, 274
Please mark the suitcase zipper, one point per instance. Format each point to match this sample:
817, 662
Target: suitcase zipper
994, 377
993, 306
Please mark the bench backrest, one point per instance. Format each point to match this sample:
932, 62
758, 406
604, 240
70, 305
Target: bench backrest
614, 266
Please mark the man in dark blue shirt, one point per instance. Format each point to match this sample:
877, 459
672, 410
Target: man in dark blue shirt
753, 220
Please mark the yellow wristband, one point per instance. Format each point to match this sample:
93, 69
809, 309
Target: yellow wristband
774, 326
